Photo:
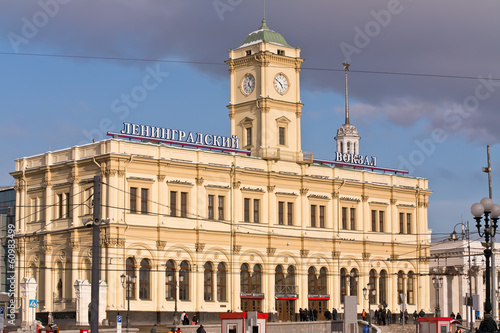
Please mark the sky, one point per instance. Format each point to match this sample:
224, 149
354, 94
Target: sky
424, 81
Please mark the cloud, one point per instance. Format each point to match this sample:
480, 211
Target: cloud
450, 37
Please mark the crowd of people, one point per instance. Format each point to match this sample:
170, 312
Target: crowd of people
312, 314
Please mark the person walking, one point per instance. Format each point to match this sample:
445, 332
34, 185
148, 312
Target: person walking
200, 329
328, 315
185, 321
389, 316
195, 319
363, 315
153, 329
334, 314
366, 329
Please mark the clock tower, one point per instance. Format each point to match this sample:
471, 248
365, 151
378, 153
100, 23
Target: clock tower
265, 106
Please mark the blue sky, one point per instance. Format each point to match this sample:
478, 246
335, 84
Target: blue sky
439, 125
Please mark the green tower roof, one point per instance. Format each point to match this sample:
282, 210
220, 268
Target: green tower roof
264, 35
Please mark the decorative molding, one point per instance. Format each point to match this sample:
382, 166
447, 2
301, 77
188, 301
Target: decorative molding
304, 253
394, 257
335, 254
179, 182
161, 178
120, 242
303, 191
287, 193
160, 245
19, 248
270, 188
236, 185
47, 248
111, 172
110, 242
318, 196
366, 255
121, 173
406, 205
199, 247
73, 245
62, 255
350, 199
46, 183
379, 203
236, 249
217, 186
335, 195
365, 198
75, 178
393, 201
199, 181
271, 251
252, 189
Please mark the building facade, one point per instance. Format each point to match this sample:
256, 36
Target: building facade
265, 229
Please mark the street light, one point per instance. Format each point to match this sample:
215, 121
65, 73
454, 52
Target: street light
127, 282
486, 209
369, 292
438, 283
465, 234
176, 285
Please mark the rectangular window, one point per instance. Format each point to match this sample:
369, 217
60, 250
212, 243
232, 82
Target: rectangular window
374, 220
281, 208
68, 204
344, 218
144, 200
249, 136
256, 210
220, 207
289, 213
381, 221
60, 206
184, 204
210, 207
408, 223
353, 218
133, 199
246, 210
401, 223
281, 52
173, 203
321, 216
313, 216
282, 136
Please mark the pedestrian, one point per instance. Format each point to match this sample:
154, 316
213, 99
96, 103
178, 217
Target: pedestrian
459, 317
406, 316
389, 316
376, 316
50, 320
452, 315
311, 315
415, 316
363, 315
301, 314
181, 318
200, 329
421, 313
185, 321
334, 314
401, 316
383, 316
195, 319
153, 329
366, 329
178, 330
328, 315
306, 315
315, 315
172, 330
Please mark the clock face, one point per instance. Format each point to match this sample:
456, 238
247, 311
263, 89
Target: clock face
281, 83
248, 84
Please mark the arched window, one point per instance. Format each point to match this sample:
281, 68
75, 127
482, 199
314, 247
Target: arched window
348, 147
279, 277
401, 284
221, 282
130, 271
170, 280
184, 281
343, 284
244, 279
382, 288
373, 285
312, 284
145, 280
410, 288
208, 290
353, 282
290, 276
256, 279
322, 288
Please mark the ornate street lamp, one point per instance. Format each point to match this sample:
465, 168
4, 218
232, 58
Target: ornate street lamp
485, 210
438, 283
368, 293
127, 282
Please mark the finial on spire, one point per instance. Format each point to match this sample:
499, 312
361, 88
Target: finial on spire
346, 69
264, 10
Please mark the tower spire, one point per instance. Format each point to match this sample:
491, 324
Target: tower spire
264, 17
346, 69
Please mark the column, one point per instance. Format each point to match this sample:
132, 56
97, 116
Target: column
28, 296
103, 289
83, 298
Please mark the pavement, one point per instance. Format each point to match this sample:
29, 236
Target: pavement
398, 328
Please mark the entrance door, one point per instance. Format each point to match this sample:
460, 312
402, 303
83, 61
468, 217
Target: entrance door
319, 305
251, 304
285, 309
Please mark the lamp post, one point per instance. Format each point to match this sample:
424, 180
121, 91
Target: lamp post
367, 293
466, 233
485, 210
438, 283
127, 282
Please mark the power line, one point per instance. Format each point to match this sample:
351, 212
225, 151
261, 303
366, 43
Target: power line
222, 64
